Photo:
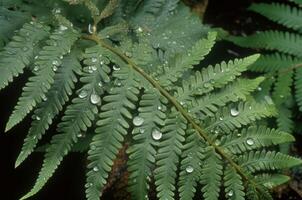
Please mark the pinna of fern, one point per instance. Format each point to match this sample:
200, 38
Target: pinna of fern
282, 65
186, 128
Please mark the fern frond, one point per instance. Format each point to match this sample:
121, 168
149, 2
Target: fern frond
59, 44
52, 104
232, 117
184, 62
191, 163
168, 155
285, 119
298, 87
78, 117
282, 89
270, 181
255, 161
112, 127
142, 152
254, 138
233, 92
19, 52
283, 14
211, 175
284, 42
273, 62
213, 77
233, 184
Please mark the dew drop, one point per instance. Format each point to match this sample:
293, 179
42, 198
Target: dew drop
36, 57
182, 103
116, 68
55, 62
159, 107
128, 54
141, 130
54, 68
96, 169
94, 60
79, 135
259, 88
156, 134
91, 29
38, 118
63, 28
93, 68
83, 94
189, 169
36, 68
95, 99
238, 134
220, 118
139, 30
250, 141
44, 98
138, 121
234, 112
230, 193
100, 84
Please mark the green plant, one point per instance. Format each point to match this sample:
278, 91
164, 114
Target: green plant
282, 61
137, 84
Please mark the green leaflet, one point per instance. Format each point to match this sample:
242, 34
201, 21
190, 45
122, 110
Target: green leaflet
143, 151
58, 45
53, 103
112, 127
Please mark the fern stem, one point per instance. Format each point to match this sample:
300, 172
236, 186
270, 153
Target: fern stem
285, 71
175, 103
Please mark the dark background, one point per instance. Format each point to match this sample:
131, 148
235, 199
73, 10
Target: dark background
68, 182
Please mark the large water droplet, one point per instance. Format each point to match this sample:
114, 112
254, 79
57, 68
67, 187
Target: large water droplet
116, 68
250, 141
83, 94
230, 193
189, 169
95, 169
138, 121
156, 134
95, 99
234, 112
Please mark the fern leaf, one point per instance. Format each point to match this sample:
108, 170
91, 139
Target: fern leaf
285, 119
283, 14
233, 183
270, 181
233, 92
285, 42
142, 152
168, 155
273, 62
298, 87
112, 127
211, 175
190, 170
59, 44
53, 103
255, 138
261, 160
78, 117
213, 77
19, 52
282, 89
228, 119
184, 62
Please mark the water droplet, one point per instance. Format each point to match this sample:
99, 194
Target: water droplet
96, 169
138, 121
128, 54
250, 141
79, 135
61, 57
36, 57
83, 94
159, 107
63, 28
93, 68
220, 118
234, 112
100, 84
91, 29
44, 98
141, 130
116, 68
189, 169
38, 118
156, 134
139, 30
94, 60
238, 134
54, 68
259, 88
36, 68
55, 62
95, 99
230, 193
182, 103
57, 11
